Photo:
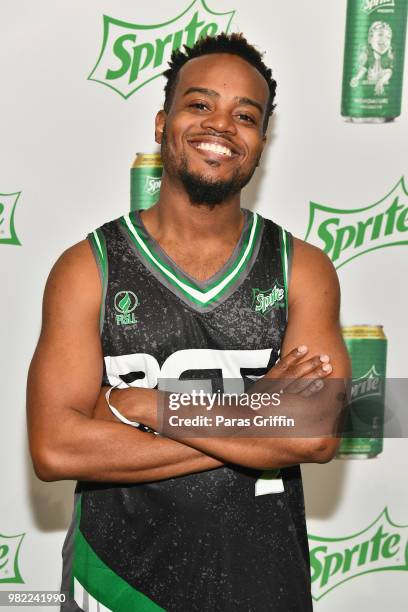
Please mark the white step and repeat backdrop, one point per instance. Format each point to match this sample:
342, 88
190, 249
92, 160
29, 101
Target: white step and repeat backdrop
69, 136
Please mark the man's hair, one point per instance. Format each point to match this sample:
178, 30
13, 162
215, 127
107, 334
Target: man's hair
234, 44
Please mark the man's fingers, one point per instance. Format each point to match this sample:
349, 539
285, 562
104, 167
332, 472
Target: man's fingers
319, 365
298, 385
296, 377
281, 368
313, 387
290, 367
306, 387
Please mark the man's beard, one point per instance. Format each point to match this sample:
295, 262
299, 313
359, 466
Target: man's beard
203, 189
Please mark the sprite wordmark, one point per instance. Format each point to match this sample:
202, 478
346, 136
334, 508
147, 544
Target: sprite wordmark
347, 234
368, 6
152, 185
8, 203
368, 385
9, 551
264, 301
133, 54
382, 546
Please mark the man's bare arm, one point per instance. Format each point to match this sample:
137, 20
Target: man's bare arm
63, 386
314, 314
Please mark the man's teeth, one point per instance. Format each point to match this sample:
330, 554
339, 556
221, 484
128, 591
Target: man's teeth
208, 146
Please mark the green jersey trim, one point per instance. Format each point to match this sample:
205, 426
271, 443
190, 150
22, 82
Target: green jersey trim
285, 258
197, 295
98, 244
101, 582
97, 238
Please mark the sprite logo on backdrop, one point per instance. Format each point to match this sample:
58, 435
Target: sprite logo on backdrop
9, 551
382, 546
347, 234
8, 203
133, 54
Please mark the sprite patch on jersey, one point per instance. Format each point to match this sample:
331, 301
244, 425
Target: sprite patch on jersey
264, 301
133, 54
125, 303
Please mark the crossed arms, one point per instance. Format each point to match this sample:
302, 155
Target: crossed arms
71, 433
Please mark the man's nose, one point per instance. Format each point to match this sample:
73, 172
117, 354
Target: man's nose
219, 120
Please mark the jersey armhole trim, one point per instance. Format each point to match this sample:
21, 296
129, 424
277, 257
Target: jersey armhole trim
98, 246
286, 243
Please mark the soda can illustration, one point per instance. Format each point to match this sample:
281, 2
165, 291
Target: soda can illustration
367, 347
373, 65
145, 180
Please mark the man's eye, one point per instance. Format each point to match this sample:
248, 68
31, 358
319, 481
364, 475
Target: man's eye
246, 118
198, 105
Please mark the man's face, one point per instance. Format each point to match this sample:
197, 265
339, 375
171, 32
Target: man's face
212, 137
380, 40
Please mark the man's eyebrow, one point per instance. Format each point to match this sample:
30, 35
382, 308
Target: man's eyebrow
251, 103
203, 90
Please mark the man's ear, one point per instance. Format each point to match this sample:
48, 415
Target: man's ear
160, 122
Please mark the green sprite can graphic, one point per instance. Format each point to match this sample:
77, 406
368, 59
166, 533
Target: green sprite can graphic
367, 347
145, 180
374, 60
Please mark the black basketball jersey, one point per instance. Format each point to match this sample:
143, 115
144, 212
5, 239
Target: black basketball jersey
227, 539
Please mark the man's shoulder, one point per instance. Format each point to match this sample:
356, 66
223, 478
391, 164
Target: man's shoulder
73, 279
76, 262
109, 226
311, 269
305, 256
80, 270
270, 224
306, 251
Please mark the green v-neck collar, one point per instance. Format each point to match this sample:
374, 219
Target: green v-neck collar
206, 294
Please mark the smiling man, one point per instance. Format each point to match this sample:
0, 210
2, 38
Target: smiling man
218, 293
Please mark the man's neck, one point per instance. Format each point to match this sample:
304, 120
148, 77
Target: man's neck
174, 218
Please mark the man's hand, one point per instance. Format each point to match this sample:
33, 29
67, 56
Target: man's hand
300, 377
